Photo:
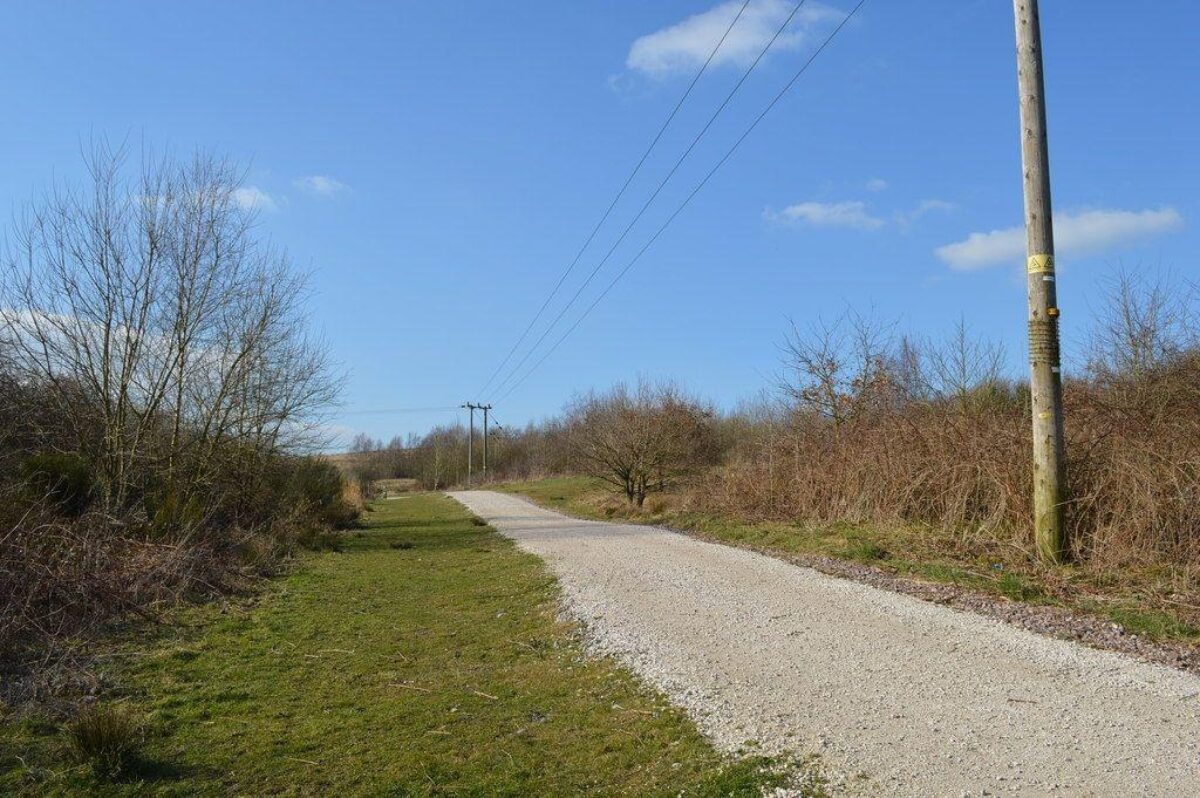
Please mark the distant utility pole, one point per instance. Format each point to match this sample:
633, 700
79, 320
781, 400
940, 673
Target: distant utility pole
470, 439
1049, 451
472, 407
485, 409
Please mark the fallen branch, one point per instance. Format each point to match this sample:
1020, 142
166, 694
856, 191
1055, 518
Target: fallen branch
305, 761
413, 687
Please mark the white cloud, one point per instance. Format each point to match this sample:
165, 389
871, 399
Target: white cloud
854, 214
877, 184
320, 185
685, 45
906, 219
828, 214
1075, 234
253, 198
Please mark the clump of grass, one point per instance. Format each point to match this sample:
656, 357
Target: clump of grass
749, 777
1151, 623
866, 551
402, 544
107, 738
656, 506
1018, 588
317, 538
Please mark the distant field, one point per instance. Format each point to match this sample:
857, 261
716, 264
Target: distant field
424, 659
391, 487
344, 460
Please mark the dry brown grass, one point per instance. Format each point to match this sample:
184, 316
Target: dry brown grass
968, 472
61, 580
885, 431
353, 497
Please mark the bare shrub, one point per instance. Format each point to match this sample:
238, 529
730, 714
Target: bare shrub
884, 429
64, 577
839, 370
1136, 452
641, 441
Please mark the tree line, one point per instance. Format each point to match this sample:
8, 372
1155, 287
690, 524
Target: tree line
867, 424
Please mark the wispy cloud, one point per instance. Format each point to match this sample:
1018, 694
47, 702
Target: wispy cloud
1075, 234
877, 184
685, 45
852, 214
253, 198
320, 185
906, 219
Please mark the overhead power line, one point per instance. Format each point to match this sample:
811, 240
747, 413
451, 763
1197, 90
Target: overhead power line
394, 410
608, 211
787, 87
653, 196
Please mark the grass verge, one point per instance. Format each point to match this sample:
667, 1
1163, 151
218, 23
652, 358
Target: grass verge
424, 658
1154, 603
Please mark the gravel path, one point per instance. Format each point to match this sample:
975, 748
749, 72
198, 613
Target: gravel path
921, 699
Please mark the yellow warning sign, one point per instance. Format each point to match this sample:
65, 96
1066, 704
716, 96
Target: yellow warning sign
1041, 264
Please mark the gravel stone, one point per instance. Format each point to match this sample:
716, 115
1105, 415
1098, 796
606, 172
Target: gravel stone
921, 698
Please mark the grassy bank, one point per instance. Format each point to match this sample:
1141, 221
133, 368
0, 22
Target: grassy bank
1156, 603
423, 659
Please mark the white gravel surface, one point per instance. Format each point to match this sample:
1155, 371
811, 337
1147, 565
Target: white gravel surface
918, 698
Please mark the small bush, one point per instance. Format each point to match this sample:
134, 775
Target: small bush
64, 479
317, 538
261, 554
107, 738
321, 490
171, 516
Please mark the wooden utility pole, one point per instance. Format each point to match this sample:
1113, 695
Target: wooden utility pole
470, 439
485, 408
1049, 457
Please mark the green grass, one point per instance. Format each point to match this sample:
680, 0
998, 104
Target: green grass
567, 494
1129, 596
1154, 624
423, 659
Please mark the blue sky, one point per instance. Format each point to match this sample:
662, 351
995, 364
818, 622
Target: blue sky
437, 165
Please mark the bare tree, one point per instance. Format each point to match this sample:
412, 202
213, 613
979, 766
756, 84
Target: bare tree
159, 324
642, 440
964, 366
365, 444
839, 369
